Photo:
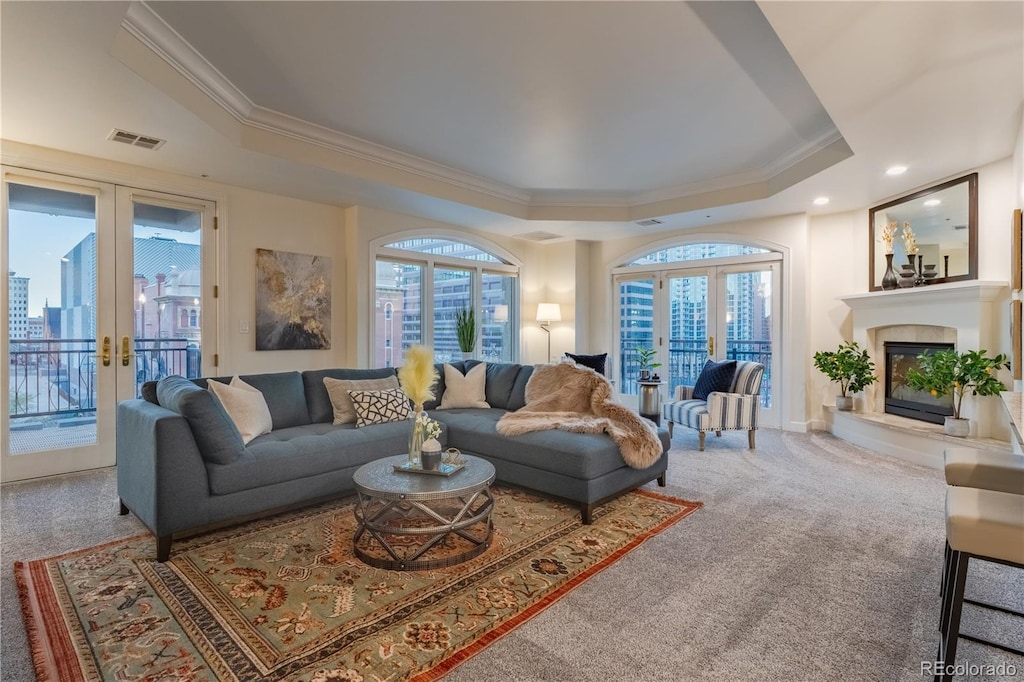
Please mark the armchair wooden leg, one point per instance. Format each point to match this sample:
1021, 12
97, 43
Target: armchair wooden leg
670, 425
701, 435
750, 438
163, 548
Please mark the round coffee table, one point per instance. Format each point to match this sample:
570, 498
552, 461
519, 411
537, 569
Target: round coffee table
406, 515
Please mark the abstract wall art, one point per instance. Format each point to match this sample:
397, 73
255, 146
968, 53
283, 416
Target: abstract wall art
293, 301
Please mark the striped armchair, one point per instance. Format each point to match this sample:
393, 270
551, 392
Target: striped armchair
736, 409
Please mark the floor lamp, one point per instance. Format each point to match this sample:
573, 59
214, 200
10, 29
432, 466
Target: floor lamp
546, 314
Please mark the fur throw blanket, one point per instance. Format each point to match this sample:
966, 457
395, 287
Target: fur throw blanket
578, 399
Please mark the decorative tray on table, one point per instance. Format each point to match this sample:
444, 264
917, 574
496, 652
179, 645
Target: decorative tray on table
443, 470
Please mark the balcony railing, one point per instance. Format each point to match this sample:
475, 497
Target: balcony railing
57, 377
686, 358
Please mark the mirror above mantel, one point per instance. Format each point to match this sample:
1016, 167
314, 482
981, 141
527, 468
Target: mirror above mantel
944, 220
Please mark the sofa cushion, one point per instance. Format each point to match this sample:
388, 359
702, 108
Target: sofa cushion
216, 436
318, 402
715, 377
301, 451
501, 378
517, 399
594, 362
148, 392
283, 391
380, 407
577, 455
341, 401
464, 390
246, 407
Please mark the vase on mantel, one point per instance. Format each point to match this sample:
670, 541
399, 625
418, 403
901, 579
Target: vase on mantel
889, 279
957, 426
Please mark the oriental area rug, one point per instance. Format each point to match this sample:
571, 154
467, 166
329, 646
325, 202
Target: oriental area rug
285, 598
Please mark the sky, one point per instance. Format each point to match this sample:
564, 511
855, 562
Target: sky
38, 241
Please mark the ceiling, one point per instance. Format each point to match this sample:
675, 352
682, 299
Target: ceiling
574, 118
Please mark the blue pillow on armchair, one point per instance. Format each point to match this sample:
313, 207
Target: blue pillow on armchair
594, 362
716, 376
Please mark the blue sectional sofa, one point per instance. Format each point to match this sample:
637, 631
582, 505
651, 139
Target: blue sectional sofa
182, 467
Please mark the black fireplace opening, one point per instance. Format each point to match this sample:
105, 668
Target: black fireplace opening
903, 400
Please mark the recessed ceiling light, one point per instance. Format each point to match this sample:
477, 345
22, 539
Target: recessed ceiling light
821, 201
933, 202
896, 170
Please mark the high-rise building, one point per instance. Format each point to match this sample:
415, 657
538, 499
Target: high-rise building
17, 306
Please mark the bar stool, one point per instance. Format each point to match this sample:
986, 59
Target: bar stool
985, 470
980, 524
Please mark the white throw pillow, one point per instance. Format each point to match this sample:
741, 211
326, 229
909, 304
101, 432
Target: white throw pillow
245, 405
341, 401
464, 390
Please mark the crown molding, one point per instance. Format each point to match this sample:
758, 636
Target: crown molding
168, 45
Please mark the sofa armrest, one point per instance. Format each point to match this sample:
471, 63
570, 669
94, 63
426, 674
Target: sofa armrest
733, 410
161, 476
683, 393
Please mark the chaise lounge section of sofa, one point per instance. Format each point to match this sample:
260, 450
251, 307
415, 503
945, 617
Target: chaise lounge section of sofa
182, 466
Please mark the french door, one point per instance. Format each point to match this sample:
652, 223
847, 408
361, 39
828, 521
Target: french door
691, 315
104, 293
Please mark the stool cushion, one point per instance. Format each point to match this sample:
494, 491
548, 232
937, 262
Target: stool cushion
985, 523
985, 469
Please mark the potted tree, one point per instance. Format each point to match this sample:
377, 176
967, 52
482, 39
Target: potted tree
850, 367
646, 357
465, 329
947, 372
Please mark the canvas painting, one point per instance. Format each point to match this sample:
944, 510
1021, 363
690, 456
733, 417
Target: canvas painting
293, 301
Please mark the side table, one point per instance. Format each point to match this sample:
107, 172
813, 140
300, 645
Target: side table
650, 400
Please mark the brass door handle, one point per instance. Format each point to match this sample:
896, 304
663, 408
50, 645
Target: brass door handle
711, 346
124, 351
105, 354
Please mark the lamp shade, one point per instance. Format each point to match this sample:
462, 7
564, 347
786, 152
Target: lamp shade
500, 312
549, 312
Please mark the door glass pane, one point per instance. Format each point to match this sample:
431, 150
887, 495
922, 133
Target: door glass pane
688, 330
636, 329
498, 314
748, 323
399, 291
167, 292
52, 326
452, 293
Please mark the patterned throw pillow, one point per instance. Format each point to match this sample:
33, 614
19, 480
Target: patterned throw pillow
716, 376
594, 362
380, 407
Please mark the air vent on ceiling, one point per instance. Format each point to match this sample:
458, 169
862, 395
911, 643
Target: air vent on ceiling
959, 227
648, 222
539, 236
135, 139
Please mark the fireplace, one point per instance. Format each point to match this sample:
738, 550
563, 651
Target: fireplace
900, 399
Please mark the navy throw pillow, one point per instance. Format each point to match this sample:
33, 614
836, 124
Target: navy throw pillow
594, 362
716, 376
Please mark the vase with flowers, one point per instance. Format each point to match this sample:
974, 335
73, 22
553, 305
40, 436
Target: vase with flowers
417, 378
947, 372
889, 279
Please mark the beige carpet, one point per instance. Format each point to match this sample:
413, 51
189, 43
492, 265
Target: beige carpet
811, 560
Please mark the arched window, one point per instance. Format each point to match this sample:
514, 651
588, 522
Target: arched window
691, 302
422, 283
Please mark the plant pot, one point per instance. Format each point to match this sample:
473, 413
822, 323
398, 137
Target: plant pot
467, 356
957, 427
844, 403
645, 375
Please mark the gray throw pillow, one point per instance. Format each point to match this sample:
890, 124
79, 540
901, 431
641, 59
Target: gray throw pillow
218, 440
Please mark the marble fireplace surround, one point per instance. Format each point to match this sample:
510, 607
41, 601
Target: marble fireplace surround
970, 315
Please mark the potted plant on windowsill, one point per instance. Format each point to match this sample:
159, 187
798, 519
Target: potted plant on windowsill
646, 359
850, 367
947, 372
465, 330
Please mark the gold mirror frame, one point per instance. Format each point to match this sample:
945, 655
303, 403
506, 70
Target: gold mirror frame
876, 259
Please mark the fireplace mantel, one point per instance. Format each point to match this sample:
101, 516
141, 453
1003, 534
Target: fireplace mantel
968, 314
